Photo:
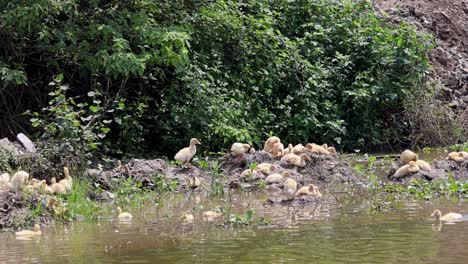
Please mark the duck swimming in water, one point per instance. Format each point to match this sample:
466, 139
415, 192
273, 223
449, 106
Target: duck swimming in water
35, 232
124, 216
450, 217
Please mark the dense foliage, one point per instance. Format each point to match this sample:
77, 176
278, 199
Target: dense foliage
160, 72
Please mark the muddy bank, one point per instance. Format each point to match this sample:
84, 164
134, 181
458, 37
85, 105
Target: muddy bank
442, 168
17, 210
327, 172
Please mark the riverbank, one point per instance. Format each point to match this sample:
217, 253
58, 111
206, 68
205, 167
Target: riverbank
138, 183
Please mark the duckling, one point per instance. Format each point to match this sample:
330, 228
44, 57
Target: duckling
35, 232
39, 186
456, 156
277, 150
311, 190
56, 205
252, 174
407, 156
67, 182
287, 150
465, 154
289, 187
239, 148
299, 161
123, 216
19, 179
4, 179
251, 151
187, 219
404, 170
57, 188
423, 165
450, 217
314, 148
194, 182
276, 178
186, 154
210, 216
298, 149
270, 142
266, 168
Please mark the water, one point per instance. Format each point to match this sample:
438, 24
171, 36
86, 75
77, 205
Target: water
326, 234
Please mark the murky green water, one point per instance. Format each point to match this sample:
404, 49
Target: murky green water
326, 234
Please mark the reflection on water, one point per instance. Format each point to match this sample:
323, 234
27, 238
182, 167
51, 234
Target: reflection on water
348, 234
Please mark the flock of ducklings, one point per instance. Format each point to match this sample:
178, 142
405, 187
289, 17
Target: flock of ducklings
458, 156
410, 163
21, 181
295, 155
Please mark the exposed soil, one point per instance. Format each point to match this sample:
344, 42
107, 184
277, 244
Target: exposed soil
15, 209
329, 173
447, 21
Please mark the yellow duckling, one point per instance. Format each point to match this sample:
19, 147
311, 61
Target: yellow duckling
186, 154
450, 217
57, 188
123, 216
404, 170
456, 156
67, 182
35, 232
464, 154
270, 142
310, 190
298, 149
187, 219
407, 156
194, 182
314, 148
287, 150
332, 150
424, 165
276, 178
239, 148
266, 168
299, 161
277, 150
56, 205
39, 186
4, 179
289, 187
210, 216
19, 179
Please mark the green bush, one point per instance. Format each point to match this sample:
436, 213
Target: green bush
306, 70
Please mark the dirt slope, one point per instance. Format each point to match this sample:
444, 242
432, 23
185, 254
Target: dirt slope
447, 21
